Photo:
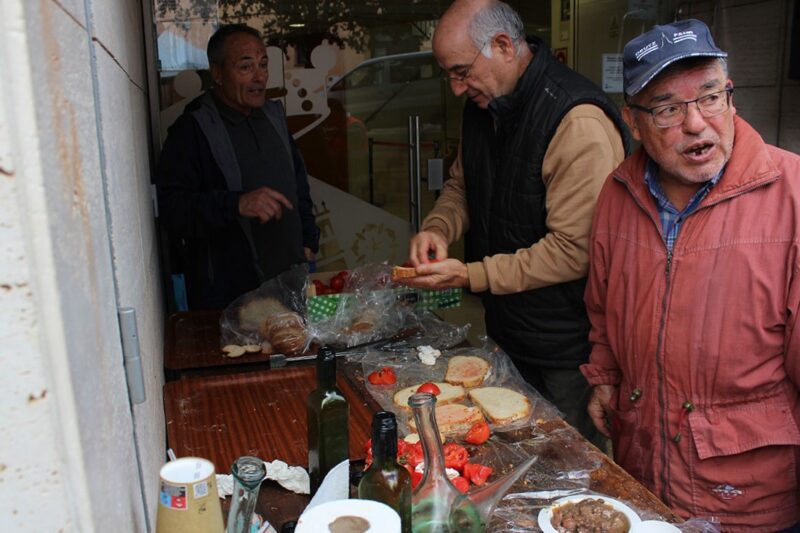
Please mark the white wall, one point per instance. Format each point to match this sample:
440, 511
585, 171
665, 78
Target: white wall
76, 241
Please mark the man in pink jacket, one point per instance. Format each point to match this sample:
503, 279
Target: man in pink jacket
694, 292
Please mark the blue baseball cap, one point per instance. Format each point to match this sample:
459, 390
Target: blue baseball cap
650, 53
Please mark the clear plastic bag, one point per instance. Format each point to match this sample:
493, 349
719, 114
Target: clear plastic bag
272, 315
411, 371
367, 310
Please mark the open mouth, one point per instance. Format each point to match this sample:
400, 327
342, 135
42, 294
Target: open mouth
699, 150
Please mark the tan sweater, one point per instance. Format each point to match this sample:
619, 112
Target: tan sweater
584, 150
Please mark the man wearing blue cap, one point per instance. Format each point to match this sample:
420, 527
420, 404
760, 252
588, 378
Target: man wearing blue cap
694, 292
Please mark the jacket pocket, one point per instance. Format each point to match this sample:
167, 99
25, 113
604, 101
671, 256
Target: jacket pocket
746, 457
733, 429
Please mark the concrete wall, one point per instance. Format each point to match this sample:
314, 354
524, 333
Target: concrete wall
76, 241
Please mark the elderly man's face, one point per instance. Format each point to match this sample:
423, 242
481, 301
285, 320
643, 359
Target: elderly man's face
241, 80
695, 150
470, 72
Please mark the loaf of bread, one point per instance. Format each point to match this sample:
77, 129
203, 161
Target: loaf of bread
400, 272
285, 332
466, 370
449, 394
501, 405
254, 312
453, 419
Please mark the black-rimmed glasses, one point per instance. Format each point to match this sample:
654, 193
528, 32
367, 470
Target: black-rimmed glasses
709, 105
460, 74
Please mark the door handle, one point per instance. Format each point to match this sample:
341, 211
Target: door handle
414, 177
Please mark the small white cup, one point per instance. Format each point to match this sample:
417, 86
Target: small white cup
381, 517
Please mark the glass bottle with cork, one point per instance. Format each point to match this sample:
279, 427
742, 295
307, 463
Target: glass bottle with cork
385, 480
328, 415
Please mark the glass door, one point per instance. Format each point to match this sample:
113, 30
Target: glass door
350, 75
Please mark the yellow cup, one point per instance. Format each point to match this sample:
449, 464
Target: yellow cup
188, 500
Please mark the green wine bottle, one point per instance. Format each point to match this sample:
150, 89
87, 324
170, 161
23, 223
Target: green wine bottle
328, 414
385, 480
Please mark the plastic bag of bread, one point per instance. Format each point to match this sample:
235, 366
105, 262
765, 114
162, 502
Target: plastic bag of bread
368, 309
481, 379
273, 315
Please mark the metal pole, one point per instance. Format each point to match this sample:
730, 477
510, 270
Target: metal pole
417, 221
371, 172
411, 168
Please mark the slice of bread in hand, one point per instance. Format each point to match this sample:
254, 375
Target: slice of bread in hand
404, 272
466, 370
453, 419
449, 394
501, 405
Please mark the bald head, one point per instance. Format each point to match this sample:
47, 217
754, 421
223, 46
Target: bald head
480, 20
488, 28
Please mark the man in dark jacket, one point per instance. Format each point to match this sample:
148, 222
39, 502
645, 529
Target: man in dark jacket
233, 189
537, 141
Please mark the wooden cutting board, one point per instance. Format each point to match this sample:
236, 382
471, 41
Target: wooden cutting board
260, 413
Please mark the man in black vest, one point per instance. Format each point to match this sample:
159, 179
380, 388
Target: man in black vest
537, 142
232, 184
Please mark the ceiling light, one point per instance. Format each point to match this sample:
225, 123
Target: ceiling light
297, 25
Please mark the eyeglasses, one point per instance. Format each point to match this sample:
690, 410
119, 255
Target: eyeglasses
709, 105
460, 74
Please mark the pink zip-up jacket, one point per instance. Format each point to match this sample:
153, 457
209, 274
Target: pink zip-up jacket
702, 343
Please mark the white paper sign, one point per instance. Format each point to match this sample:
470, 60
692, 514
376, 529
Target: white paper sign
612, 73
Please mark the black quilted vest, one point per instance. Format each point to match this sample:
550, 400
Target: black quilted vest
506, 201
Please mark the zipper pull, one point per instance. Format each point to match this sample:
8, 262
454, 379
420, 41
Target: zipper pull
635, 395
686, 408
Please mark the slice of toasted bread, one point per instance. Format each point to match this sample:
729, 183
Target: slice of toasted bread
404, 272
449, 394
501, 405
453, 418
466, 370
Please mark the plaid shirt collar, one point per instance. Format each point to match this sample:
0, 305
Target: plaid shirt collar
671, 218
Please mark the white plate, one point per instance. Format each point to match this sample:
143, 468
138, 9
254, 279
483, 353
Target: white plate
382, 518
546, 514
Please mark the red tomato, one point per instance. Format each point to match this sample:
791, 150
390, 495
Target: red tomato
455, 456
460, 483
320, 287
384, 376
430, 387
412, 455
389, 377
337, 284
477, 473
416, 477
478, 433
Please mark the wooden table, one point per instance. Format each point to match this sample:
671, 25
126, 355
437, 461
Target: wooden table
253, 410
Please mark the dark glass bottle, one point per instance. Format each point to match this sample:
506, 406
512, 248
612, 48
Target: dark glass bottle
328, 414
385, 480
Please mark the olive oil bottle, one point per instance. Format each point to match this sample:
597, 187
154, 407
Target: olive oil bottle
385, 480
328, 414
